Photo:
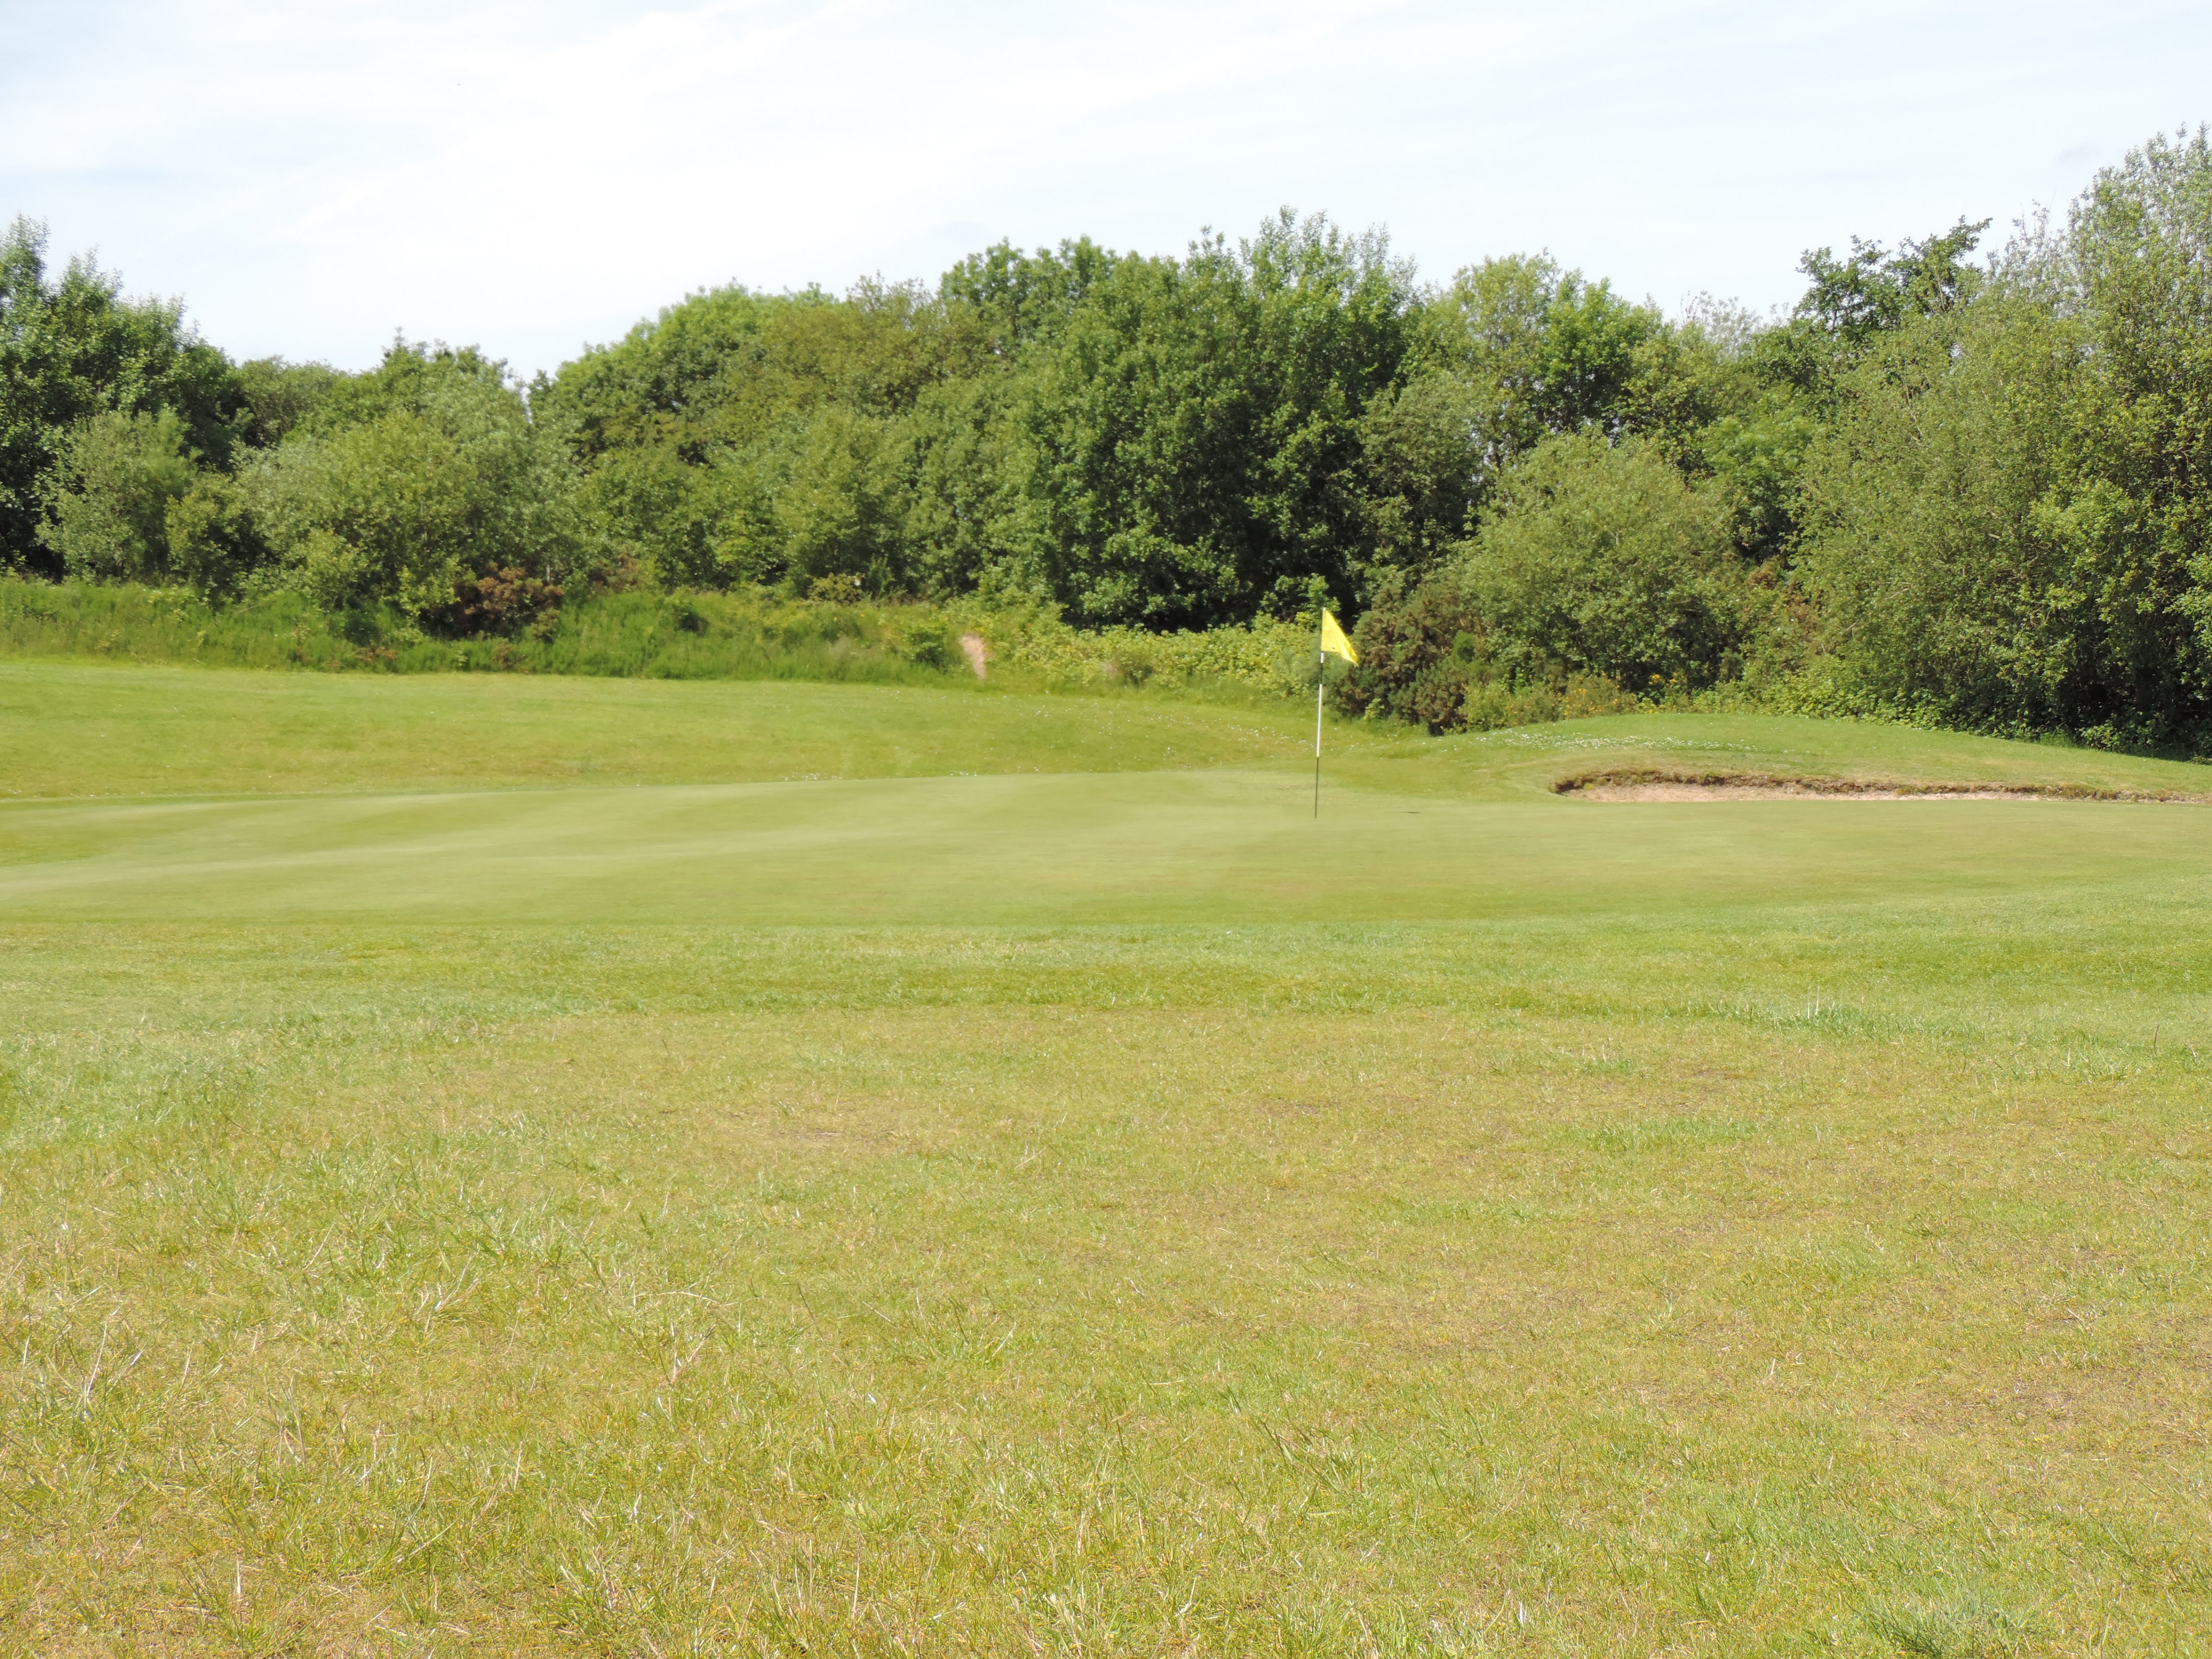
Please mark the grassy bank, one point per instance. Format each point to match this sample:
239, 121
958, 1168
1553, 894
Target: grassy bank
91, 730
748, 634
708, 636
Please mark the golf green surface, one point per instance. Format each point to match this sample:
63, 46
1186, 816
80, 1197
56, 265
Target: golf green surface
533, 1166
1069, 812
1224, 846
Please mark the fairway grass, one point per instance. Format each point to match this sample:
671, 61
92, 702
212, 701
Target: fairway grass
994, 1185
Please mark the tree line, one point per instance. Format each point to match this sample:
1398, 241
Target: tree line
1957, 483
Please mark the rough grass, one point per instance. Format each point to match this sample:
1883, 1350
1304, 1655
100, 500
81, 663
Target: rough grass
743, 634
1741, 1228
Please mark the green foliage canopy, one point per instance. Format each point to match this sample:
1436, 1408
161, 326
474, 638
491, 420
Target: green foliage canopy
114, 477
406, 481
1978, 493
72, 348
2007, 519
1603, 559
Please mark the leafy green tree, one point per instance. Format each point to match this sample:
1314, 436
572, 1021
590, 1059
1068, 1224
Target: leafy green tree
72, 347
2137, 513
1124, 429
214, 544
1543, 349
1758, 456
689, 427
1517, 350
1188, 443
961, 505
114, 477
1424, 465
283, 397
2008, 523
841, 508
1853, 303
412, 478
1017, 300
662, 385
1929, 545
1603, 559
675, 518
1702, 396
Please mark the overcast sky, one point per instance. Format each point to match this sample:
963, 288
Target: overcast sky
529, 175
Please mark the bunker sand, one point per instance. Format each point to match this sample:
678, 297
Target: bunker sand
1653, 784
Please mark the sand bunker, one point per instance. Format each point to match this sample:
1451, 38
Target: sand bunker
1644, 785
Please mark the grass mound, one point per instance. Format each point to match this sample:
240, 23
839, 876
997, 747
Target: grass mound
70, 729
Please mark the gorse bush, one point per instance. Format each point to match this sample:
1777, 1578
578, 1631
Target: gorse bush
1962, 492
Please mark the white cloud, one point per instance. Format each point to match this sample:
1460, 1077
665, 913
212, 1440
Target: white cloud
529, 176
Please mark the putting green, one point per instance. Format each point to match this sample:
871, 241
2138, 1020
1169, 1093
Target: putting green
1135, 847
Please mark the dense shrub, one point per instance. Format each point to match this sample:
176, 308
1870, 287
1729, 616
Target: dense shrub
1602, 559
440, 477
505, 602
116, 476
2009, 522
1419, 652
1931, 549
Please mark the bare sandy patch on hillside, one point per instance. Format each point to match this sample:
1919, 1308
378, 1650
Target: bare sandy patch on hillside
1652, 785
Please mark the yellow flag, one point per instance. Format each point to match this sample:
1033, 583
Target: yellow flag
1333, 639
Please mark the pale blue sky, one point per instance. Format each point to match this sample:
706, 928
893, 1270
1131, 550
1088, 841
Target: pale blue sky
529, 176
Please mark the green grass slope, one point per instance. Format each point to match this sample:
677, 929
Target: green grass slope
68, 730
529, 1167
72, 729
916, 807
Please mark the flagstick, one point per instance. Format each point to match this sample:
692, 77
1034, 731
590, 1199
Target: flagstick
1321, 685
